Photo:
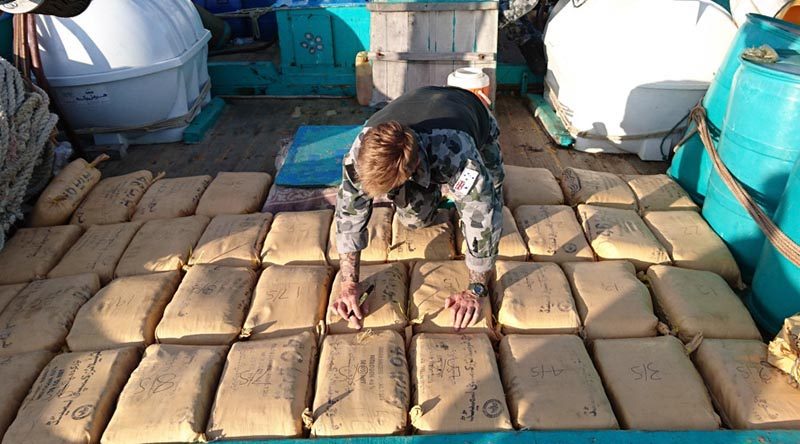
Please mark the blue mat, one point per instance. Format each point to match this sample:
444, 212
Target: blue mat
315, 158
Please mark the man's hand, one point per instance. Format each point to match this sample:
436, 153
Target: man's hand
347, 302
466, 309
346, 305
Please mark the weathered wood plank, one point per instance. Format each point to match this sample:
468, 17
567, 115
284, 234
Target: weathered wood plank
464, 39
439, 6
433, 56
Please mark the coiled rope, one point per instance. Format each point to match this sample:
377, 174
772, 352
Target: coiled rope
26, 125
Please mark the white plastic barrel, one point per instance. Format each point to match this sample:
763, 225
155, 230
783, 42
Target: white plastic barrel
126, 63
622, 73
473, 79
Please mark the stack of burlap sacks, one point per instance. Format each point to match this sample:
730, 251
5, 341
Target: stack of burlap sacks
169, 310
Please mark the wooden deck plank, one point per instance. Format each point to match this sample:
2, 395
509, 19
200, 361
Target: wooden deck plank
247, 138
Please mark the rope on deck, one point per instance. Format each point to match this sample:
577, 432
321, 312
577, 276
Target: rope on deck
26, 125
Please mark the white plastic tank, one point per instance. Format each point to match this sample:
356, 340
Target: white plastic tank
622, 73
740, 8
123, 64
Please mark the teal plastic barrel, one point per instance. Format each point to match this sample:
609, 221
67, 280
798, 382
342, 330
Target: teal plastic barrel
691, 166
759, 144
776, 284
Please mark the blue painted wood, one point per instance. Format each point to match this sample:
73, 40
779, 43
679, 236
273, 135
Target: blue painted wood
204, 121
572, 437
263, 79
322, 40
315, 157
511, 74
549, 120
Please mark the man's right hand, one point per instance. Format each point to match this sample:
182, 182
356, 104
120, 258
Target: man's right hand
347, 302
346, 305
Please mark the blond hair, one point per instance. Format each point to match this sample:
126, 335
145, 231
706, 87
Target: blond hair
388, 156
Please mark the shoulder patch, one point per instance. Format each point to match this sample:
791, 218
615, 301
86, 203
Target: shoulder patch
465, 182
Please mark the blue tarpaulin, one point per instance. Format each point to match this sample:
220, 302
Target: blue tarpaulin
315, 158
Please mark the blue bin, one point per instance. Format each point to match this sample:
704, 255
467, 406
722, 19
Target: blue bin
6, 36
243, 27
691, 166
776, 284
759, 145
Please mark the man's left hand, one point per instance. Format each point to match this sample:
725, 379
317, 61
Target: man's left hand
466, 309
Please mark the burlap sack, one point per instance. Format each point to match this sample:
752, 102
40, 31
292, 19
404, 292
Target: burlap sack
73, 398
658, 192
534, 298
18, 373
387, 303
431, 284
32, 252
363, 386
299, 238
41, 315
168, 396
209, 306
113, 200
124, 313
233, 241
457, 385
161, 245
97, 251
264, 390
611, 300
379, 235
748, 392
553, 233
621, 234
65, 192
511, 247
692, 243
235, 193
784, 350
596, 188
551, 384
8, 292
700, 302
288, 300
653, 385
171, 198
432, 243
530, 186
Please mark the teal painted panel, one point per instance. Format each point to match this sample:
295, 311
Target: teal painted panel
571, 437
342, 32
510, 74
263, 79
196, 131
549, 120
311, 39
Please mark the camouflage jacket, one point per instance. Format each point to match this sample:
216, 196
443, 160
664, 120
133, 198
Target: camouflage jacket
445, 155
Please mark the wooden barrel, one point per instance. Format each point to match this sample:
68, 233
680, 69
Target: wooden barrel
420, 44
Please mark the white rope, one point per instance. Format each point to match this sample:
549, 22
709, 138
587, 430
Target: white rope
25, 127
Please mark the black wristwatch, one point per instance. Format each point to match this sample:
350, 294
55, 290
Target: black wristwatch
478, 289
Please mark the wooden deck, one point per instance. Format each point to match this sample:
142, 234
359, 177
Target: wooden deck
247, 138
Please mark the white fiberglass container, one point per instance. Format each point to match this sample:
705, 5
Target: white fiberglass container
740, 8
126, 63
622, 73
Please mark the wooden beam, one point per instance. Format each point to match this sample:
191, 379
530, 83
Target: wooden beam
389, 56
446, 6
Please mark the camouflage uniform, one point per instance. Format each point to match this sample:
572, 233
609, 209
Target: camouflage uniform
444, 155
